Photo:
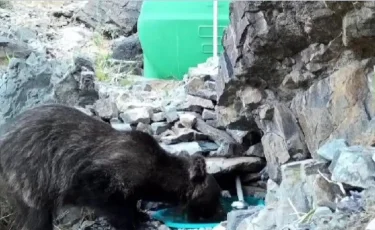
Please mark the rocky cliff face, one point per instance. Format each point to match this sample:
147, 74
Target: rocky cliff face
302, 73
298, 71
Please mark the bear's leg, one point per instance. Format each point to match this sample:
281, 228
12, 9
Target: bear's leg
28, 218
38, 219
122, 218
120, 213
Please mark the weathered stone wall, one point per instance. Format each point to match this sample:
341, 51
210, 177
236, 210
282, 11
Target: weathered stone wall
303, 73
299, 71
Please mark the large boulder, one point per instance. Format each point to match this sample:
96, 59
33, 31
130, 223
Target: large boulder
283, 140
115, 17
339, 106
77, 86
354, 166
127, 48
302, 189
37, 80
13, 48
358, 27
25, 84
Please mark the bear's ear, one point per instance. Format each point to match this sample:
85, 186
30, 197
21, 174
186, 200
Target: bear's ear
197, 169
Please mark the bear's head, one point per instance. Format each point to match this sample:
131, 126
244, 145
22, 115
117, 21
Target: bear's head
204, 202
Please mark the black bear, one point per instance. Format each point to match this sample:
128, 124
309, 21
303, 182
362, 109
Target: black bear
54, 155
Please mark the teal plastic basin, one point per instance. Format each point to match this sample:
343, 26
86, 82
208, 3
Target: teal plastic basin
169, 217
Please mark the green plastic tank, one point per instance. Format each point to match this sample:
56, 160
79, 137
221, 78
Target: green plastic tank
178, 34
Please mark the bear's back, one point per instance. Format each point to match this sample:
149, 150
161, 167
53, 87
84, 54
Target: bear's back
42, 143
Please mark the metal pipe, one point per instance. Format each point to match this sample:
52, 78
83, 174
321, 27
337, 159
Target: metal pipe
215, 30
240, 203
239, 189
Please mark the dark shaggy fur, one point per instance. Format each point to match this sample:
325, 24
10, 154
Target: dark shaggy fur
54, 155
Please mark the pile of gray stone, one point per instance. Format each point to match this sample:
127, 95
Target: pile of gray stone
185, 122
334, 191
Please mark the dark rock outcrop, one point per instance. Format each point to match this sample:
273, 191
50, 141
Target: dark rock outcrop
127, 48
37, 80
115, 17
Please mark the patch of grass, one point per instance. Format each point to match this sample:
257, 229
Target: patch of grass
8, 58
102, 58
4, 61
106, 69
101, 75
98, 39
101, 65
